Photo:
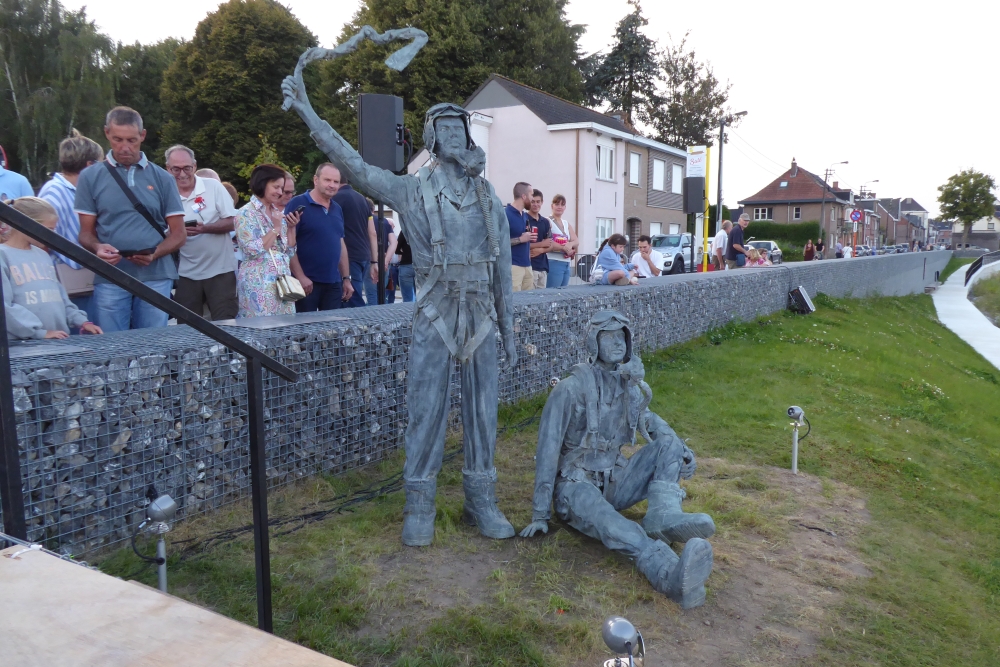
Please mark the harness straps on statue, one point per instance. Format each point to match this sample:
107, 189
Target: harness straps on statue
439, 260
585, 374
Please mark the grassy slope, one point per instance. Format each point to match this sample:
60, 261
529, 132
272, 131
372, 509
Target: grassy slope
986, 295
900, 409
954, 264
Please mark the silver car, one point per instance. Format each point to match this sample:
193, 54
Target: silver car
770, 247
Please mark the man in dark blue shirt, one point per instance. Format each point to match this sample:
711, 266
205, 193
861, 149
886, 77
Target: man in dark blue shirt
359, 234
520, 238
542, 243
736, 254
321, 263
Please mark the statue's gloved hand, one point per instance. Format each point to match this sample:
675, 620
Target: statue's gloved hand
534, 527
294, 92
689, 464
510, 349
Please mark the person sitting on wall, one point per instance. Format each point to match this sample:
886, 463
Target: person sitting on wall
609, 259
579, 466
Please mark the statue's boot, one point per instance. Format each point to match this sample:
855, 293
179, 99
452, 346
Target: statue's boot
419, 513
481, 505
682, 579
665, 520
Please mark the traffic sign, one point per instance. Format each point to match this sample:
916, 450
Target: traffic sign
856, 215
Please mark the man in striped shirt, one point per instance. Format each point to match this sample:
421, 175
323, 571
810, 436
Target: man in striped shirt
76, 153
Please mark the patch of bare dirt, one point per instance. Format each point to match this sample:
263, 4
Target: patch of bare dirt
771, 594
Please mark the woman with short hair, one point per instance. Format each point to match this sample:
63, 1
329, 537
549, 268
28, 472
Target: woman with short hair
267, 240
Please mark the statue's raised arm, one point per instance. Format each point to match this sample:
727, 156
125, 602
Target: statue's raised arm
379, 182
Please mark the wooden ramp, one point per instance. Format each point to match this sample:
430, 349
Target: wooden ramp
53, 612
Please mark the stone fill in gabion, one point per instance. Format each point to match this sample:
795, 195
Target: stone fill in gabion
168, 407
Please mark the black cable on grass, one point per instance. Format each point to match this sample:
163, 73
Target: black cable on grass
343, 502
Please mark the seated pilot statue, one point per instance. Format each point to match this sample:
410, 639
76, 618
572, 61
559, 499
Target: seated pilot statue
579, 466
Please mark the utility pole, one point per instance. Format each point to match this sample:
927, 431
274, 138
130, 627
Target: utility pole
718, 196
822, 208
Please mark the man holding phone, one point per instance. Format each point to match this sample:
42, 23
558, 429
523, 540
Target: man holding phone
207, 264
321, 262
131, 216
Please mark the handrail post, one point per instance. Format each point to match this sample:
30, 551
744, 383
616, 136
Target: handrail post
258, 491
11, 496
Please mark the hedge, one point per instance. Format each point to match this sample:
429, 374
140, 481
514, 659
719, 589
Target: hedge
795, 233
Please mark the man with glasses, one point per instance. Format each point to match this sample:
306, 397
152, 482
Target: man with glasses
207, 265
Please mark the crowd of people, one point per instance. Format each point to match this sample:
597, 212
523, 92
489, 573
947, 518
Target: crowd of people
187, 235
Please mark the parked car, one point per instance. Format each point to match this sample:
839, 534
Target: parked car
901, 248
676, 251
859, 251
868, 251
770, 247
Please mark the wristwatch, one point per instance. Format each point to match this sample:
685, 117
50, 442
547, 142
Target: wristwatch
347, 277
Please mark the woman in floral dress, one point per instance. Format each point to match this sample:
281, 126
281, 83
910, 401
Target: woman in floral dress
267, 240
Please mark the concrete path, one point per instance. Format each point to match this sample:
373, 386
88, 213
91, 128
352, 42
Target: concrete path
958, 314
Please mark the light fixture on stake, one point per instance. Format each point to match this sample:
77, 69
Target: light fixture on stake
622, 638
796, 413
159, 513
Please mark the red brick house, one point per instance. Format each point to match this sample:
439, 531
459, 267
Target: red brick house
798, 196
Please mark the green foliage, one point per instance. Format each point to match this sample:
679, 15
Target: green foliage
694, 101
626, 78
224, 87
52, 79
139, 70
531, 42
267, 155
795, 233
966, 198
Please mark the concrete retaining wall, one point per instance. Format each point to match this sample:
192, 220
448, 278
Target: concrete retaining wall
100, 418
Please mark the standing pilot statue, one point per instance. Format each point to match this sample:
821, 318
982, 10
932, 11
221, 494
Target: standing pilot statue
587, 419
453, 222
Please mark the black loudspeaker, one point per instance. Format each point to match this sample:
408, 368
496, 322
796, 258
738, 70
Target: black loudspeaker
380, 130
800, 301
694, 194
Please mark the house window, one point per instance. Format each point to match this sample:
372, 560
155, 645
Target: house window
605, 162
605, 228
763, 213
783, 184
633, 168
991, 226
655, 228
659, 175
833, 217
675, 228
677, 179
797, 213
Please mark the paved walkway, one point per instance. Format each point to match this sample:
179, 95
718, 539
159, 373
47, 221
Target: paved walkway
958, 314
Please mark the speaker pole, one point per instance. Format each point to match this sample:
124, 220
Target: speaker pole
382, 243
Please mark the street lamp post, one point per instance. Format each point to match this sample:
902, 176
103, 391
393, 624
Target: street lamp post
822, 207
718, 196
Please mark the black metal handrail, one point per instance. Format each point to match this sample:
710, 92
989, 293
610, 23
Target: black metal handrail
978, 264
11, 493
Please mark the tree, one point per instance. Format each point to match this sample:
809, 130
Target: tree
693, 100
967, 197
139, 70
52, 78
530, 41
626, 78
224, 87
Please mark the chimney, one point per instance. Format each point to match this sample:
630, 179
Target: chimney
795, 168
836, 185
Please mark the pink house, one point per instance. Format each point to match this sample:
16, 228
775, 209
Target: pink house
559, 148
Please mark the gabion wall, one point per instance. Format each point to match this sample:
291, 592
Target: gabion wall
100, 418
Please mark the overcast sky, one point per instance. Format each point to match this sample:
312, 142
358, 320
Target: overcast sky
906, 92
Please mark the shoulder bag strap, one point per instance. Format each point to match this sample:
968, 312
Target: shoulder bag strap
136, 204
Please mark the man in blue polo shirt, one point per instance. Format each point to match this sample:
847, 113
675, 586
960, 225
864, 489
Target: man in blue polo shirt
112, 229
321, 261
14, 185
520, 238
